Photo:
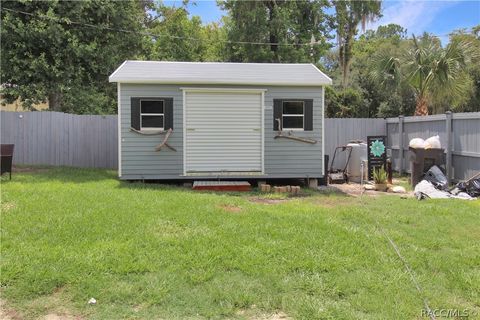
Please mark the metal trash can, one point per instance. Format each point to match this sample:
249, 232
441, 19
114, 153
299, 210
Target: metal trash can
421, 160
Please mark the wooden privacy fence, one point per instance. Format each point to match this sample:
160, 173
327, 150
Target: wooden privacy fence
60, 139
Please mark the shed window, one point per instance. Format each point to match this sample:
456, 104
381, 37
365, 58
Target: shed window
293, 114
152, 114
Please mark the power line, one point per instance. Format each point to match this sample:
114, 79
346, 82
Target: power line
153, 35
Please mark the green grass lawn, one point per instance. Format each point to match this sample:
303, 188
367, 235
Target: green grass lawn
151, 251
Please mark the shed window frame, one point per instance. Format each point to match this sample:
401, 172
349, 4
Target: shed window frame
142, 114
294, 115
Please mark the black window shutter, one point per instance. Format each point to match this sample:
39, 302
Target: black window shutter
277, 113
135, 113
168, 113
308, 116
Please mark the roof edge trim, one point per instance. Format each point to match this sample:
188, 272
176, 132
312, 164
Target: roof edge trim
116, 70
265, 83
323, 74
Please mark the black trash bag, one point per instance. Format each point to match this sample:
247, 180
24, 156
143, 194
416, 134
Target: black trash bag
437, 178
471, 187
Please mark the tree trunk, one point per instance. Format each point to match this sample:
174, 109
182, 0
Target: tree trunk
55, 101
346, 56
273, 37
421, 108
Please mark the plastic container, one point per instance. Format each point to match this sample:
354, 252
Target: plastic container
359, 155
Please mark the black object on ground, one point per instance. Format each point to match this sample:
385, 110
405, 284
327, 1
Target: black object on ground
324, 180
389, 171
6, 155
339, 174
472, 187
437, 178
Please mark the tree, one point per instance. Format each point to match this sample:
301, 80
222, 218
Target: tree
368, 97
284, 27
345, 103
468, 102
349, 14
182, 38
427, 68
63, 51
378, 101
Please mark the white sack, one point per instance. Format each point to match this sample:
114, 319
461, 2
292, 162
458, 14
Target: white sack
417, 143
433, 143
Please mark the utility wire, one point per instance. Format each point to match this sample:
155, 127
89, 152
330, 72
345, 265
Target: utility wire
153, 35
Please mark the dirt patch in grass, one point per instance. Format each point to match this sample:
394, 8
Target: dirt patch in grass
276, 316
56, 306
230, 208
356, 190
267, 200
252, 314
7, 206
7, 313
138, 307
54, 316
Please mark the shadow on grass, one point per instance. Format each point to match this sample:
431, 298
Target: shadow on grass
46, 174
254, 195
186, 186
49, 174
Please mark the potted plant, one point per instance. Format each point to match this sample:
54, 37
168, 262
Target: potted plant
380, 179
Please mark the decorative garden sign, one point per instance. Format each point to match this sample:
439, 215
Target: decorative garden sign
377, 153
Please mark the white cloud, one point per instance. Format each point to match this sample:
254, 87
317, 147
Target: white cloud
415, 16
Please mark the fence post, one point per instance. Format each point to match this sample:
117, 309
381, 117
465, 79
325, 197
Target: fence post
400, 144
448, 129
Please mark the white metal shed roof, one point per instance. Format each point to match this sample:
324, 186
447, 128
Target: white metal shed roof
219, 73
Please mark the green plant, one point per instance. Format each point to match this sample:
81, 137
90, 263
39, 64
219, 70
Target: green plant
380, 175
428, 69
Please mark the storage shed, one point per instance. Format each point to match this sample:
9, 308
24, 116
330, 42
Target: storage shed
204, 120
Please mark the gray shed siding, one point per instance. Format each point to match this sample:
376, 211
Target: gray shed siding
283, 158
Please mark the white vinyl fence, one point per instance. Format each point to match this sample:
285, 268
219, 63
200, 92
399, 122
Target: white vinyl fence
459, 135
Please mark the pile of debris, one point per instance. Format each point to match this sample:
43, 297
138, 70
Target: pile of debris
435, 186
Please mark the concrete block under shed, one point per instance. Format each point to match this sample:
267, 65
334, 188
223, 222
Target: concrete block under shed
295, 189
265, 187
313, 183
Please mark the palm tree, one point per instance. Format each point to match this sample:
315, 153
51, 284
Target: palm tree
426, 68
349, 14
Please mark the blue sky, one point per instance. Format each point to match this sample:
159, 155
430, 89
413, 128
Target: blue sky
437, 17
